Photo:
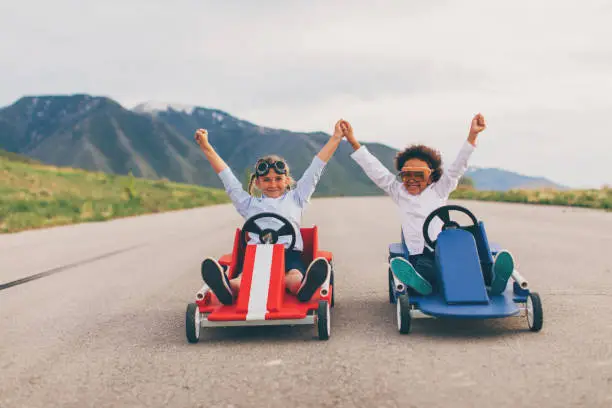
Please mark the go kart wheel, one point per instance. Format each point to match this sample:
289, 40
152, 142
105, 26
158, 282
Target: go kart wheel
535, 314
391, 288
331, 282
192, 323
404, 317
323, 320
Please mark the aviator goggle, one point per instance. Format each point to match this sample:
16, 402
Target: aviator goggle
264, 167
415, 173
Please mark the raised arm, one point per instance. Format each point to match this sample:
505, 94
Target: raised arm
233, 187
450, 178
372, 167
217, 163
478, 125
332, 144
306, 185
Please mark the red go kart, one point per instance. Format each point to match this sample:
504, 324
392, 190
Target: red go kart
262, 299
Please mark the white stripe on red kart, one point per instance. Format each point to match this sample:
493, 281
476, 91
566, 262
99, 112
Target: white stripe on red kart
260, 283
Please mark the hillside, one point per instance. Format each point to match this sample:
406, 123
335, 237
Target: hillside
493, 179
17, 157
98, 134
34, 195
155, 141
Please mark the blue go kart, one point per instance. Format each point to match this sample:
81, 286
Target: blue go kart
464, 263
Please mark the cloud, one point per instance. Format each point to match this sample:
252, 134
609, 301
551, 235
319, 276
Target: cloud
400, 71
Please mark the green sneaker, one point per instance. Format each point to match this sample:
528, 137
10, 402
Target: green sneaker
405, 272
503, 266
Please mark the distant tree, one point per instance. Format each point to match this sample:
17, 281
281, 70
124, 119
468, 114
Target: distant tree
466, 183
17, 157
130, 188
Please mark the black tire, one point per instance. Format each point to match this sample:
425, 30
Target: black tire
391, 287
323, 320
192, 324
331, 282
536, 321
404, 316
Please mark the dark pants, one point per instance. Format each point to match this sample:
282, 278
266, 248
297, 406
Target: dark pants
293, 260
425, 265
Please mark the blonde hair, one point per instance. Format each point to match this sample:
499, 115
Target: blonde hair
253, 190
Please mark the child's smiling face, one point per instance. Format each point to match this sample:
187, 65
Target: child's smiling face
273, 185
416, 176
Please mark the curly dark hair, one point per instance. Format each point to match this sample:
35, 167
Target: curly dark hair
431, 156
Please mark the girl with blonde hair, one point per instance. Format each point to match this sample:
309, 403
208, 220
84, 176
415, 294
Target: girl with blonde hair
281, 195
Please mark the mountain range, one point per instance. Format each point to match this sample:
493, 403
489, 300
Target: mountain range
156, 141
493, 179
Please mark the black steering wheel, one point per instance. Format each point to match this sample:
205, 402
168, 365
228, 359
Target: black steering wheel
268, 235
444, 214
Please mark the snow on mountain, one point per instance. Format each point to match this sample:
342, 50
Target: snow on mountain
153, 107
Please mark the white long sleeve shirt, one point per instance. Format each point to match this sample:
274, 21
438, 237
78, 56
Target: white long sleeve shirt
413, 209
290, 205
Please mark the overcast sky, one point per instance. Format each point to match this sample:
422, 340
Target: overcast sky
401, 71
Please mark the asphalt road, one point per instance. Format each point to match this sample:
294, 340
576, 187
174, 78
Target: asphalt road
103, 326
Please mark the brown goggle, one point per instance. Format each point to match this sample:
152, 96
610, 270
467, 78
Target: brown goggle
415, 173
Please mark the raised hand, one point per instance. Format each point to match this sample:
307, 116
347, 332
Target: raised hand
332, 144
338, 133
347, 131
201, 138
478, 124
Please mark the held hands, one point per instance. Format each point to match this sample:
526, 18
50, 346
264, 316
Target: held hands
332, 144
338, 133
477, 126
201, 138
347, 131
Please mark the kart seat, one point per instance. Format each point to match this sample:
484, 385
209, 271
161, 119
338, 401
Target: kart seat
311, 251
460, 274
310, 236
484, 250
235, 261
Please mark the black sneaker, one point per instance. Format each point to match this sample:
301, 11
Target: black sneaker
217, 281
315, 276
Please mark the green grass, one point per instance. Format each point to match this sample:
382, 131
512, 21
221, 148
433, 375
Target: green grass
17, 157
34, 195
600, 199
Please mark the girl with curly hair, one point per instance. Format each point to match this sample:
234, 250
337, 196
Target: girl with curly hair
425, 186
277, 193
